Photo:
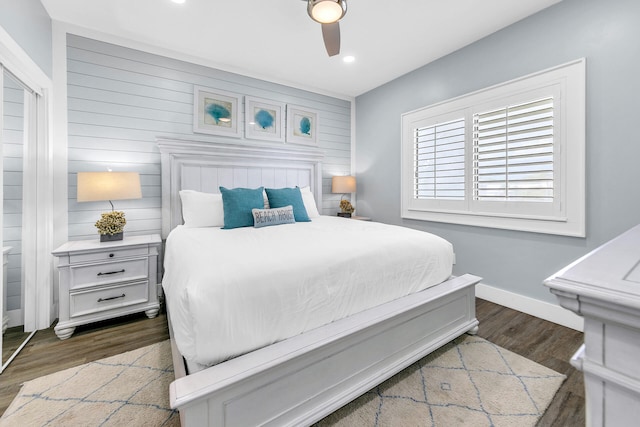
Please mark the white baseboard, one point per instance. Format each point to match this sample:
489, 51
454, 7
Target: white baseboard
544, 310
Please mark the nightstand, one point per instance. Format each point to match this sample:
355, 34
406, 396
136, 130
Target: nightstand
102, 280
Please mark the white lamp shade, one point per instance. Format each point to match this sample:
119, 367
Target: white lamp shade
343, 184
100, 186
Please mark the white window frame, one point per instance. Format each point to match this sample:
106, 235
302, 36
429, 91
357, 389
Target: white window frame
566, 215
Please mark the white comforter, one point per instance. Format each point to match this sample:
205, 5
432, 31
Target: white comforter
233, 291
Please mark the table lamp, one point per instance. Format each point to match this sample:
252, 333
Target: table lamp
101, 186
344, 184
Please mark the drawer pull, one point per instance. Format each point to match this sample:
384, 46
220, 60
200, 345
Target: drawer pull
110, 298
111, 272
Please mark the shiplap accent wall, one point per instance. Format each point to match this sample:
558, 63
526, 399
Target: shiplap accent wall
12, 151
121, 100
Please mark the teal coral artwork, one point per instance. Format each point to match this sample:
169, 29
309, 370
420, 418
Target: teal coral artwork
265, 118
302, 125
216, 112
305, 126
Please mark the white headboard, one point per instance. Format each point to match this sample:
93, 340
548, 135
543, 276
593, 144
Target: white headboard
205, 166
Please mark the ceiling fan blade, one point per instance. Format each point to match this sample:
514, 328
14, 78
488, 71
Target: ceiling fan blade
331, 36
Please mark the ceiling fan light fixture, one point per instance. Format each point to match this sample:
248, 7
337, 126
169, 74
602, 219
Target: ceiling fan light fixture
326, 11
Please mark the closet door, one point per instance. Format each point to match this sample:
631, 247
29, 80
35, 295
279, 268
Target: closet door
27, 296
15, 115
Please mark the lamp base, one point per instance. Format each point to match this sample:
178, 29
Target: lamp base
112, 237
344, 214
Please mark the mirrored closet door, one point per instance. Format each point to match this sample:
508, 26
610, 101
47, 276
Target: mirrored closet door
16, 114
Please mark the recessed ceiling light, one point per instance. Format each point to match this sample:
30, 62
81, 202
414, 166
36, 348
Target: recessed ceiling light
349, 58
178, 1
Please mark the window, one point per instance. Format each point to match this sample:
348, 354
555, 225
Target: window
513, 152
510, 156
439, 161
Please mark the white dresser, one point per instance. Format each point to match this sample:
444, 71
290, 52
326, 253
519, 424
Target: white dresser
604, 288
101, 280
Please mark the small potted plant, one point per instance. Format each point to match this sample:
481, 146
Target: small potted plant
346, 208
111, 225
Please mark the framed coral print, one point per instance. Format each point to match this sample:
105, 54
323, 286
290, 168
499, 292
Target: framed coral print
216, 112
302, 125
263, 119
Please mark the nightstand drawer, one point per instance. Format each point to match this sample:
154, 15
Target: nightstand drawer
83, 276
108, 255
96, 300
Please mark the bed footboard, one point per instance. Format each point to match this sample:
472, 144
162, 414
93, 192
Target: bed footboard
302, 379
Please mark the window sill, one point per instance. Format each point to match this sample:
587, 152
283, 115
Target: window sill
557, 225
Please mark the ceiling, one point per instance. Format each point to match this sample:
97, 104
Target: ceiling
276, 40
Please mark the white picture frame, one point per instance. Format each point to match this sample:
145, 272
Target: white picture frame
302, 125
264, 119
216, 112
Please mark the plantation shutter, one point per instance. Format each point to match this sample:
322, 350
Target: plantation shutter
439, 161
513, 153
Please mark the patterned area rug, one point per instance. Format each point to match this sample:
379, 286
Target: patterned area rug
469, 382
128, 389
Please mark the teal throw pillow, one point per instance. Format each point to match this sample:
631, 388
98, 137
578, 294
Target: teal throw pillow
276, 216
237, 204
281, 197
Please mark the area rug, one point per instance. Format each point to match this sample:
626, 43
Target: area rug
128, 389
469, 382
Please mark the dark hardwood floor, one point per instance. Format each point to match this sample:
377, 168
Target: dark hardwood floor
544, 342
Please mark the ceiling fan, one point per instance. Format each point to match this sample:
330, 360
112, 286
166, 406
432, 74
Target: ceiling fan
328, 13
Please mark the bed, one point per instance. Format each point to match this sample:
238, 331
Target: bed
297, 371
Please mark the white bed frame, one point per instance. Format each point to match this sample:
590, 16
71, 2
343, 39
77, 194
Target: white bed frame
302, 379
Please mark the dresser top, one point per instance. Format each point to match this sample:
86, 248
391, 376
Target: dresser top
610, 272
96, 244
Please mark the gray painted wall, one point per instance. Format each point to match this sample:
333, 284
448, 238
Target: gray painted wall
607, 34
121, 100
29, 24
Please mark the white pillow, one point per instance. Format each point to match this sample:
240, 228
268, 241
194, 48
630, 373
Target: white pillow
202, 209
309, 202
